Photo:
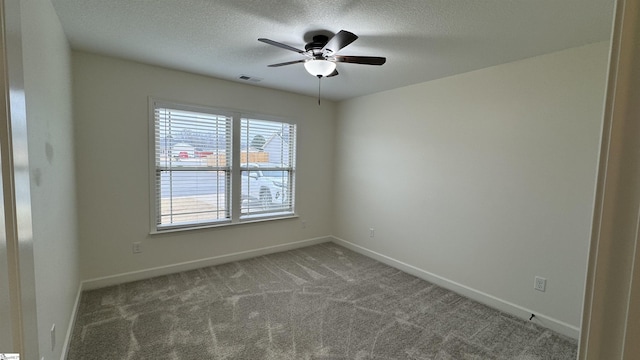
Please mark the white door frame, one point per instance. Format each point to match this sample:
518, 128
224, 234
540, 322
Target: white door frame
8, 287
611, 314
16, 239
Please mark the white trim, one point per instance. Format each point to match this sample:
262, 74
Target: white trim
195, 264
224, 224
628, 337
236, 178
16, 243
490, 300
72, 323
609, 329
151, 164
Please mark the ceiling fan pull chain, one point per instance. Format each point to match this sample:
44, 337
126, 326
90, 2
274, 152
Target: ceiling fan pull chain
319, 81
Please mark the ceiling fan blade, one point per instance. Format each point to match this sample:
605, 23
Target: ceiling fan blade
334, 73
339, 41
287, 63
366, 60
280, 45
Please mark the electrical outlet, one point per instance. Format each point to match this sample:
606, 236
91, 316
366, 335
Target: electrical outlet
304, 224
540, 283
137, 247
53, 337
372, 232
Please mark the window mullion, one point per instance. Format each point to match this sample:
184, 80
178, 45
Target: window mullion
236, 180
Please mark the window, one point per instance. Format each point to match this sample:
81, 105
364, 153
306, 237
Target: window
266, 167
213, 167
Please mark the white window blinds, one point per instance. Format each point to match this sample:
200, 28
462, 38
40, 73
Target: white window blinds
193, 171
266, 166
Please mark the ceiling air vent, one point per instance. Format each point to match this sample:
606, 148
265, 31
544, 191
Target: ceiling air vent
249, 78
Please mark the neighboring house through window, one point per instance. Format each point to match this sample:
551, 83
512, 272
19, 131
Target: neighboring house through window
212, 167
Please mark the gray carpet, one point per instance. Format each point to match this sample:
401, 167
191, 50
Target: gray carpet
320, 302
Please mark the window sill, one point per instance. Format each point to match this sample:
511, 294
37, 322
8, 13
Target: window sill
247, 220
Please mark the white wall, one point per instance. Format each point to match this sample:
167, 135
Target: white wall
485, 179
47, 80
111, 122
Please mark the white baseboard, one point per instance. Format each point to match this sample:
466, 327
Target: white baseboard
196, 264
72, 323
489, 300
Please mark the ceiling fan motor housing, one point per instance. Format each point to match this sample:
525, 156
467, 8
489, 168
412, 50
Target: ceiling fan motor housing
315, 46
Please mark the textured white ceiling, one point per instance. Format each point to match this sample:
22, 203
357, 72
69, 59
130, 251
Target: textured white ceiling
421, 39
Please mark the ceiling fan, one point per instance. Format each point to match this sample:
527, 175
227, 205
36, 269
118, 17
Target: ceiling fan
320, 54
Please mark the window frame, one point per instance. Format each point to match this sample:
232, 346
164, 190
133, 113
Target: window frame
234, 188
245, 167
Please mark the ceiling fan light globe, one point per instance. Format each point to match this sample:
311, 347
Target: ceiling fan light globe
319, 67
